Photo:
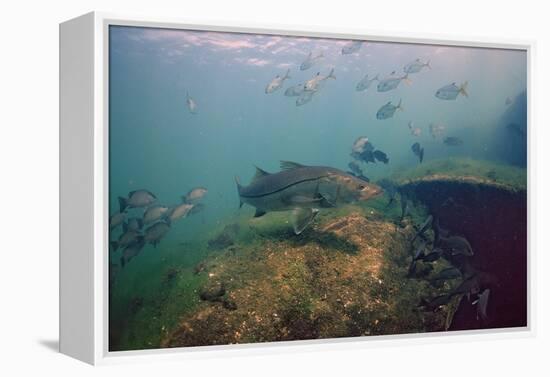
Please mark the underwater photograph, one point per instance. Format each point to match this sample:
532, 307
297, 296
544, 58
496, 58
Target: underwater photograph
269, 188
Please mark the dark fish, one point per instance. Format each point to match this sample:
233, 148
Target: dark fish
351, 47
482, 302
433, 256
156, 232
387, 110
131, 251
303, 190
453, 141
418, 151
380, 156
137, 199
419, 253
447, 274
435, 303
196, 209
356, 170
133, 224
423, 228
456, 245
125, 239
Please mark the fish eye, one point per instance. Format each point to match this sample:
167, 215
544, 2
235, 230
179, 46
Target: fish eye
361, 187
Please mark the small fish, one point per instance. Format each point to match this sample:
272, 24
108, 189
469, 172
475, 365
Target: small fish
416, 66
310, 61
435, 303
277, 83
351, 47
415, 131
131, 251
453, 141
447, 274
191, 104
179, 211
295, 91
423, 228
418, 151
133, 224
508, 101
451, 91
116, 220
125, 239
156, 232
154, 213
433, 256
482, 302
362, 144
304, 98
137, 199
314, 83
391, 82
194, 195
196, 209
380, 156
456, 245
436, 130
389, 188
387, 111
420, 250
365, 83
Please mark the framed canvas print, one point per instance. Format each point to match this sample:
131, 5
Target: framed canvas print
230, 186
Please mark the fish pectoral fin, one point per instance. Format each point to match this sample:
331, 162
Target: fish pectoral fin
302, 217
259, 212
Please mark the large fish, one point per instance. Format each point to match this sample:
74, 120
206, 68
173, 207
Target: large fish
387, 110
277, 83
303, 190
451, 91
310, 61
351, 47
365, 83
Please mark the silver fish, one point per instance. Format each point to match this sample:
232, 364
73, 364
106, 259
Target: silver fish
416, 66
133, 224
391, 82
179, 211
154, 213
451, 91
191, 104
387, 110
277, 83
310, 61
365, 83
351, 47
137, 199
303, 190
415, 131
125, 239
131, 251
194, 195
314, 83
437, 130
456, 245
304, 98
295, 91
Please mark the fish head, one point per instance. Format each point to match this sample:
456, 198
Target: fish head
351, 189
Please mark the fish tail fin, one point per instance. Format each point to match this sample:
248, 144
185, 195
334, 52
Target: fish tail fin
239, 188
331, 74
122, 203
406, 78
287, 74
463, 88
400, 106
377, 77
428, 64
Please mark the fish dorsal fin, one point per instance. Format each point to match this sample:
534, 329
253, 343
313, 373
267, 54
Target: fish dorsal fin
289, 165
260, 173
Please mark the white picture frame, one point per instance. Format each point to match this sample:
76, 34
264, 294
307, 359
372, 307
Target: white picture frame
84, 189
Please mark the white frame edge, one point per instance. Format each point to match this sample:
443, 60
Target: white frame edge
84, 277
